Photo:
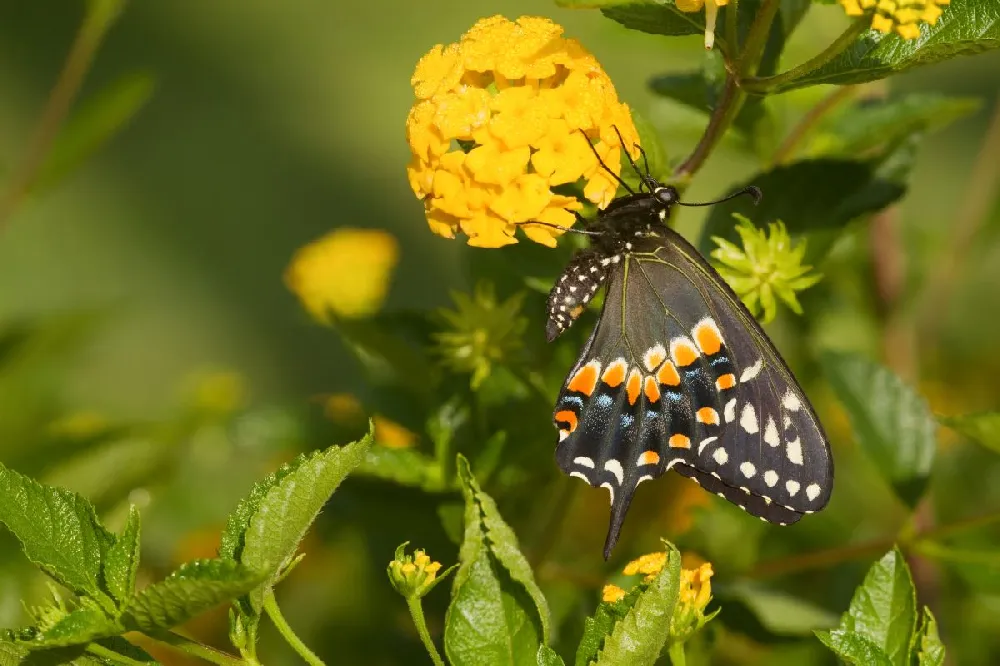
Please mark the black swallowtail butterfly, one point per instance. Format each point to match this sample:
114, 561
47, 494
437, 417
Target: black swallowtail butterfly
678, 374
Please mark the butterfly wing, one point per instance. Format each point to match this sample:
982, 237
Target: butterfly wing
678, 375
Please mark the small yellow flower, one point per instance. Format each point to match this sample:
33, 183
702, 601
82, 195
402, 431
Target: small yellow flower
501, 118
695, 593
711, 13
342, 408
650, 564
612, 593
345, 273
903, 16
413, 575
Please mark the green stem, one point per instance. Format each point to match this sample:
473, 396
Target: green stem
99, 650
273, 612
676, 653
100, 17
725, 112
732, 30
753, 50
769, 84
417, 613
196, 649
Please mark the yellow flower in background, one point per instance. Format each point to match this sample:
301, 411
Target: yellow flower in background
218, 392
903, 16
711, 13
650, 564
345, 273
501, 118
391, 434
414, 575
79, 425
342, 408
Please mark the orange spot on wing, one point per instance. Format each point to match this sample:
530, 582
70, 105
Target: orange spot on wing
668, 375
585, 380
654, 357
708, 338
707, 415
652, 389
634, 384
615, 374
679, 441
684, 353
568, 418
649, 458
726, 381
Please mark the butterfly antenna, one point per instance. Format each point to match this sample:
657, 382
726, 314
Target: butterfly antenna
605, 166
562, 228
752, 190
644, 176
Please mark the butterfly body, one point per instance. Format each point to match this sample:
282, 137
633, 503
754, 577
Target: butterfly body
678, 375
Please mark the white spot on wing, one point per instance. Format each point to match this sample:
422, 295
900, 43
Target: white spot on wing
563, 434
579, 475
705, 442
646, 477
794, 450
791, 401
812, 491
771, 432
792, 487
748, 469
720, 455
770, 478
752, 371
583, 461
730, 411
748, 419
611, 491
615, 468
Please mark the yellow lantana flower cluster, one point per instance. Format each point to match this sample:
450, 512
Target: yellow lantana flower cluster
903, 16
501, 118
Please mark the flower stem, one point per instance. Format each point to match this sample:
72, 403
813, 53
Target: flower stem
185, 644
417, 613
100, 16
676, 653
273, 612
725, 112
770, 84
753, 50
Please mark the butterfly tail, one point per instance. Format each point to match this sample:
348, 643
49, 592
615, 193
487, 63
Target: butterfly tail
619, 508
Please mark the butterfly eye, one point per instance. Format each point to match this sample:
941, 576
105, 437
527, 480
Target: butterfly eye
666, 195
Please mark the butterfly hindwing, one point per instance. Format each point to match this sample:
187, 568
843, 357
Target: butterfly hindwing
678, 375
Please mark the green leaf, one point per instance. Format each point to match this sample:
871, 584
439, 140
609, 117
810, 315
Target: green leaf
290, 506
854, 648
884, 608
965, 27
386, 356
497, 613
12, 654
59, 532
406, 467
83, 625
97, 121
820, 195
191, 590
649, 16
891, 422
873, 128
597, 627
983, 428
640, 636
928, 646
778, 613
122, 562
546, 656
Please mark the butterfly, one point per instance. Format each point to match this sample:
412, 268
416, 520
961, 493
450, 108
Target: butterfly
677, 374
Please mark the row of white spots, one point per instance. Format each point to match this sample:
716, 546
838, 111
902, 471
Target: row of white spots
749, 470
748, 419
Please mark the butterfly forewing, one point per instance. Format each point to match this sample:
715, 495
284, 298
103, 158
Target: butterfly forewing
678, 375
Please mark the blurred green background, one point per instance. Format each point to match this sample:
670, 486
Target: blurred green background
272, 123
